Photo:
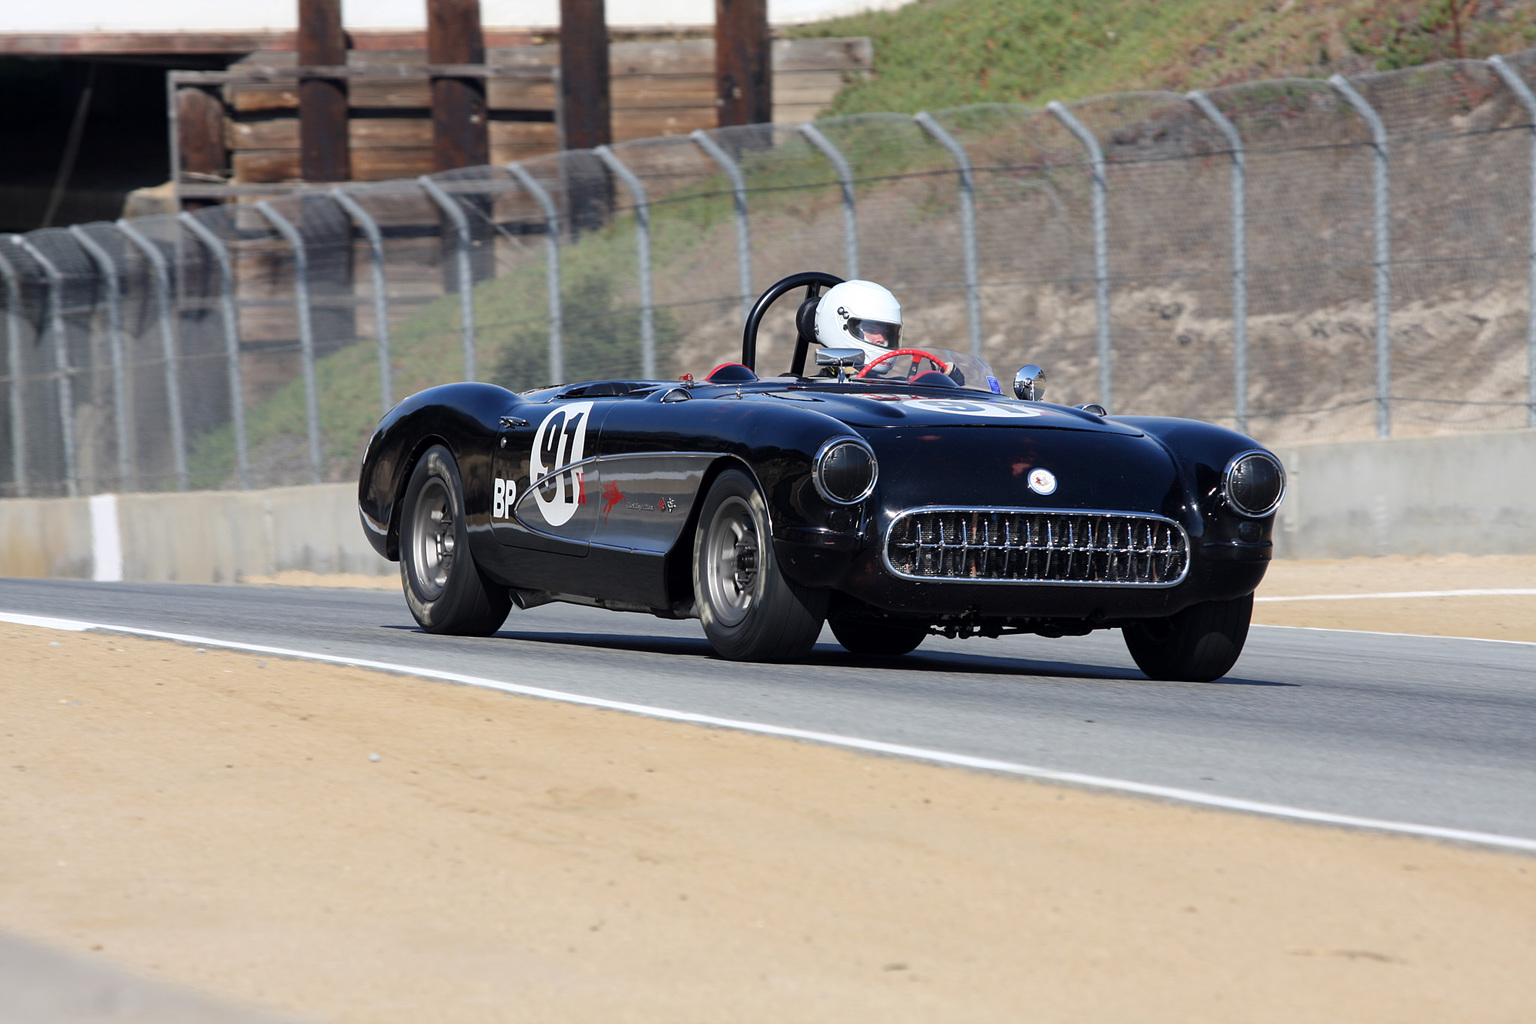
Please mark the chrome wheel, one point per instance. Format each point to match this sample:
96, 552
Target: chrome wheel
749, 610
433, 539
733, 555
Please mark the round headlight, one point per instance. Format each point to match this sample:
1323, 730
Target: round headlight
1254, 483
845, 471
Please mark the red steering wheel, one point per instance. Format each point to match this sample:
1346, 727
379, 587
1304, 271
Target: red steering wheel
922, 362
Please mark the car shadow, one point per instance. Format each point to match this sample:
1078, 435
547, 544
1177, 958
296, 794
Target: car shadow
832, 656
981, 664
606, 641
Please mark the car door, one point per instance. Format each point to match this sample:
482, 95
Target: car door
546, 476
650, 466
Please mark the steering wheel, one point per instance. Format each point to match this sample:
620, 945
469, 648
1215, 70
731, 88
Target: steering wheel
805, 327
918, 357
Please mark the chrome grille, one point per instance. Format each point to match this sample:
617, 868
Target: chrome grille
1036, 546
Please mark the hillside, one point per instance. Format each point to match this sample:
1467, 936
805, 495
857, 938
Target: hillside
943, 53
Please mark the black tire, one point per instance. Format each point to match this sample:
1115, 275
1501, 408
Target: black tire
749, 610
443, 588
1196, 645
877, 639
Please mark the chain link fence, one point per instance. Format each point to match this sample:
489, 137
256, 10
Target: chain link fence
1300, 259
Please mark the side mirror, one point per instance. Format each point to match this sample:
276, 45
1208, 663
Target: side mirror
842, 358
1029, 383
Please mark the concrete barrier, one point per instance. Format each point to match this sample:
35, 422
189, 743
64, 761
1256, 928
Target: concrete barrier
1470, 493
197, 537
1474, 494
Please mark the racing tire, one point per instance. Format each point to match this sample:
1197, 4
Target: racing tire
750, 611
445, 591
877, 639
1197, 645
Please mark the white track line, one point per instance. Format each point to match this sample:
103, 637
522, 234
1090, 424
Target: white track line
1528, 592
1186, 796
1409, 636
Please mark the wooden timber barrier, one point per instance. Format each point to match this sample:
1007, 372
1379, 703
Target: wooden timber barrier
659, 88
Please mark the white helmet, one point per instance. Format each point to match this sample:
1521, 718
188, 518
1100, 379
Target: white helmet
860, 314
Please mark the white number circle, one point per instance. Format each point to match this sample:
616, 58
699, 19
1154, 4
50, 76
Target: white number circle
964, 407
561, 441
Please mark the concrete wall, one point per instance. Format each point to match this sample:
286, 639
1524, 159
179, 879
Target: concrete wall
1474, 494
198, 537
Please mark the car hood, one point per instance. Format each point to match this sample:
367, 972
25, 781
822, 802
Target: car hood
1084, 469
871, 409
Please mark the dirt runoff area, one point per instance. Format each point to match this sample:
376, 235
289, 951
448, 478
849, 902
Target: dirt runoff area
352, 846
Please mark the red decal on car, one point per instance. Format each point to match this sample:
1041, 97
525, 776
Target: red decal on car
611, 497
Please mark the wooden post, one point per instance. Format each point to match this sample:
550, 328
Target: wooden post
323, 148
586, 107
199, 143
460, 134
200, 132
743, 63
586, 111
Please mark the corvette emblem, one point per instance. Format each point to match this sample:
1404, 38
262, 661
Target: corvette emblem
1042, 481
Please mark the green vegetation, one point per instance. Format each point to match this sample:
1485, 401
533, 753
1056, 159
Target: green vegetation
944, 53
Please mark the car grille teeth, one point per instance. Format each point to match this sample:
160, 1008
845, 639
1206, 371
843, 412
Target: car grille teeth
1037, 547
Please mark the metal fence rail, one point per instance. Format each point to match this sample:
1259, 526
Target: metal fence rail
1300, 259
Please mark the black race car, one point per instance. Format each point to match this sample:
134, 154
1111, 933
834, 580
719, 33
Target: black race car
891, 500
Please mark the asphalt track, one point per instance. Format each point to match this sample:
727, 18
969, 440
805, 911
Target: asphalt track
1433, 732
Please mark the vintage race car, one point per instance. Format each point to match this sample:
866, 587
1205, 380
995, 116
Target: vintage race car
891, 500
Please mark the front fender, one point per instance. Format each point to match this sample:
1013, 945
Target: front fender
1202, 452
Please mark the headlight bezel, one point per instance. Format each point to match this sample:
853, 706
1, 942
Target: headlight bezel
819, 466
1227, 496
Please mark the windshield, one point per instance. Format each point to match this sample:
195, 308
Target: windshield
904, 364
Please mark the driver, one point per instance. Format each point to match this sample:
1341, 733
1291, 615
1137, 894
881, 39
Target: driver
866, 316
862, 315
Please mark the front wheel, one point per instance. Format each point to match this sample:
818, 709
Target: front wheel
443, 588
750, 611
1196, 645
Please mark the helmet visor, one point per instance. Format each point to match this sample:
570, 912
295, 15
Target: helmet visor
880, 333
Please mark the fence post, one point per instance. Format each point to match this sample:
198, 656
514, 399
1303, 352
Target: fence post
551, 267
215, 245
375, 238
60, 360
743, 236
845, 178
967, 221
125, 439
1528, 100
1100, 247
1239, 256
466, 278
162, 276
1383, 255
306, 332
13, 363
643, 257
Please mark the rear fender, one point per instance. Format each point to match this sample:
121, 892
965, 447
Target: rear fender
461, 417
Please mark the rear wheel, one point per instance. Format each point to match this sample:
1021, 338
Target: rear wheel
1196, 645
750, 611
443, 588
872, 638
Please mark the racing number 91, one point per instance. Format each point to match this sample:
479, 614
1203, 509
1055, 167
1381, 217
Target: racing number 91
561, 442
